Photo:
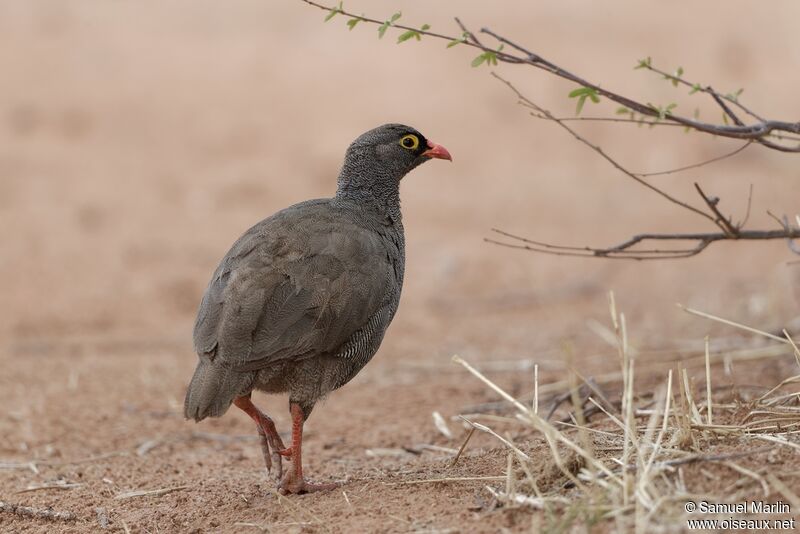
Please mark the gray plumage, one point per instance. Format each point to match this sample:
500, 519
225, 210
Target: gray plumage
302, 300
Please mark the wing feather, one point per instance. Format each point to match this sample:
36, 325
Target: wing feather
291, 287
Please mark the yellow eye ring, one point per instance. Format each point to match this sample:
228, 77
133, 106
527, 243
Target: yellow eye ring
410, 142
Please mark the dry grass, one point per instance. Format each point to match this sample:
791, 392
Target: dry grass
621, 463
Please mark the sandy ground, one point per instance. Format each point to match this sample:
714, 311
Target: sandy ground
139, 139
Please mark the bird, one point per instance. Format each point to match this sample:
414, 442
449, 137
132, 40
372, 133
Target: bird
302, 300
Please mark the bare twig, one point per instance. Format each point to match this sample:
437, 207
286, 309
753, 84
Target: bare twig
443, 479
740, 131
61, 484
38, 513
529, 103
720, 219
623, 250
463, 446
697, 165
741, 223
145, 493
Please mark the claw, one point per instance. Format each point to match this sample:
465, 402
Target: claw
265, 449
291, 484
271, 443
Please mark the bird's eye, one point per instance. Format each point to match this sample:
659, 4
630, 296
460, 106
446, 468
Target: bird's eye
409, 141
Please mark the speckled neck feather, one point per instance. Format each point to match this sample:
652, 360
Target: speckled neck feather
364, 178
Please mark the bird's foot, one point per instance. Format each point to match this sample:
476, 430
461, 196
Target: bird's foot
272, 449
286, 453
275, 466
305, 487
297, 485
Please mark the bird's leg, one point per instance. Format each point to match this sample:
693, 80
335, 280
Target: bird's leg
293, 481
270, 439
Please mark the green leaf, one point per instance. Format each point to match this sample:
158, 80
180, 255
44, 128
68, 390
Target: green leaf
352, 23
695, 88
408, 35
676, 76
455, 42
413, 33
577, 92
581, 101
582, 93
335, 11
643, 63
734, 96
385, 26
623, 110
488, 56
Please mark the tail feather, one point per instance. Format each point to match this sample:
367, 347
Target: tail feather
212, 390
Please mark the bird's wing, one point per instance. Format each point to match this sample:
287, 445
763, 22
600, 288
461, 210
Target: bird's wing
293, 287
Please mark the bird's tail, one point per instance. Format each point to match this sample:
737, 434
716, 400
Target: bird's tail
212, 390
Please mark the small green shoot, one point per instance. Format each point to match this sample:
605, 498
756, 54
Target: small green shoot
352, 23
385, 26
582, 93
489, 57
676, 78
455, 42
662, 111
334, 11
734, 97
415, 34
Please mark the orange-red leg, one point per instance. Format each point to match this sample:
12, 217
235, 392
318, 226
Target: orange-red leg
293, 481
270, 439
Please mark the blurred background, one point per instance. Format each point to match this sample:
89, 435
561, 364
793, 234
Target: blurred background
138, 140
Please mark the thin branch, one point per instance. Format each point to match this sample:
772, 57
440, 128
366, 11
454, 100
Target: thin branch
697, 165
362, 18
784, 223
741, 224
789, 241
708, 90
625, 249
720, 100
641, 122
600, 151
721, 220
753, 131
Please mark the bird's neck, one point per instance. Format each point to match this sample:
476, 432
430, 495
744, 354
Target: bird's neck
383, 192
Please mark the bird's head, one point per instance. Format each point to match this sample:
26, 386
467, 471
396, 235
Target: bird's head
389, 152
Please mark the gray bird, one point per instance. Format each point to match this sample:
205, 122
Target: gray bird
302, 300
